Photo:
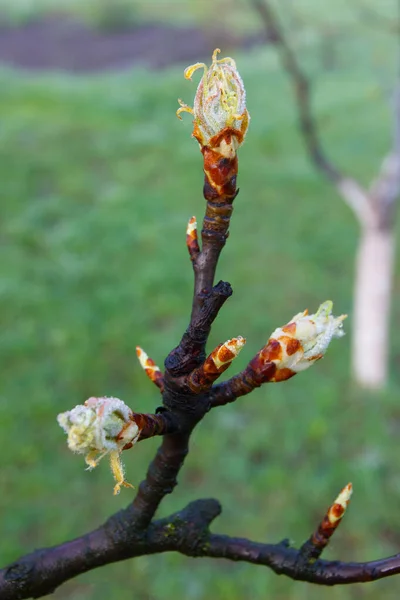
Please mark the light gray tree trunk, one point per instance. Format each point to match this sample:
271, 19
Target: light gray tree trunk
374, 208
371, 311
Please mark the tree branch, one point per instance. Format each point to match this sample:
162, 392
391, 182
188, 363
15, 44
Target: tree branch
285, 561
187, 532
385, 189
186, 400
161, 477
220, 173
239, 385
191, 351
350, 190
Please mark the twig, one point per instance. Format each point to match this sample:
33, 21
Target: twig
313, 548
186, 532
187, 397
150, 368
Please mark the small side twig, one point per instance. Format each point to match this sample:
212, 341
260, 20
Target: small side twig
150, 368
192, 242
313, 548
186, 532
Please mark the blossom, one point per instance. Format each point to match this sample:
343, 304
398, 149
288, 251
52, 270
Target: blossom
99, 427
219, 104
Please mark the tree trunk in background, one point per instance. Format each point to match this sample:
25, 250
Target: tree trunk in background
371, 312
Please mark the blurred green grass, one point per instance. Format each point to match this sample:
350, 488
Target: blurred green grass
234, 15
98, 181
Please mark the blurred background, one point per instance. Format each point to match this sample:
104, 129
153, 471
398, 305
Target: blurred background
98, 180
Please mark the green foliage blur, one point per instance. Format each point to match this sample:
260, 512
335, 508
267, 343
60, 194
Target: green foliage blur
98, 180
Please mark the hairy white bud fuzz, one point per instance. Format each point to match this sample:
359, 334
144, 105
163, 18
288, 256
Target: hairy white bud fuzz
98, 427
306, 338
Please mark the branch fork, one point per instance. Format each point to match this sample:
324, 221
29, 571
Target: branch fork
108, 426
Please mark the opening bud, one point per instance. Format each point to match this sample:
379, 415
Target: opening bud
299, 344
219, 104
98, 427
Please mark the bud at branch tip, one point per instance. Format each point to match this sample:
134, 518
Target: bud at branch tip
299, 344
219, 104
338, 508
227, 352
151, 369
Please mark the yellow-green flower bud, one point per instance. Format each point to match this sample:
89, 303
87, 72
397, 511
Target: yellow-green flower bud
220, 100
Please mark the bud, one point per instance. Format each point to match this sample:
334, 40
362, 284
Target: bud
314, 546
338, 508
299, 344
150, 368
215, 364
219, 104
98, 427
223, 355
191, 239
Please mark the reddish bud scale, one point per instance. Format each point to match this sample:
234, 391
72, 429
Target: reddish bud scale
331, 521
148, 424
257, 372
216, 363
313, 548
220, 169
155, 375
264, 367
203, 377
191, 239
150, 368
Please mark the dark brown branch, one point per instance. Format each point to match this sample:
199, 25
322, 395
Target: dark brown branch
150, 368
162, 423
187, 532
41, 572
285, 561
191, 351
132, 532
181, 406
239, 385
161, 477
220, 173
181, 401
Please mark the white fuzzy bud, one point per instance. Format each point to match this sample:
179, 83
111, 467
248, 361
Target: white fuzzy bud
306, 338
99, 426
